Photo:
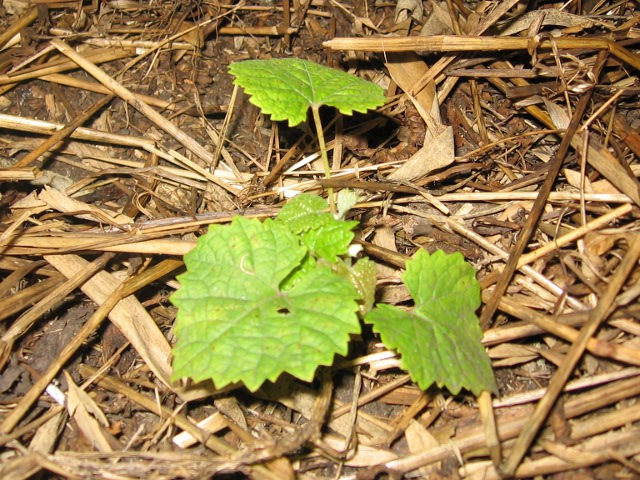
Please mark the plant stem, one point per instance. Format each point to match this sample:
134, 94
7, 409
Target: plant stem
315, 109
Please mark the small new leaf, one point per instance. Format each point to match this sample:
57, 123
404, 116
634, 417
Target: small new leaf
286, 88
237, 322
303, 212
362, 276
324, 235
439, 339
347, 199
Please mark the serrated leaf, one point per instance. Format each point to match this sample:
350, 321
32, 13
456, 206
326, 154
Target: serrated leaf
347, 199
304, 212
362, 276
286, 88
439, 338
235, 321
324, 235
331, 240
308, 263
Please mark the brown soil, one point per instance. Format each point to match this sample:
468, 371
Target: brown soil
527, 165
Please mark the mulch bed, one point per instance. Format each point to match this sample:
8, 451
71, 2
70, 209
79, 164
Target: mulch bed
511, 134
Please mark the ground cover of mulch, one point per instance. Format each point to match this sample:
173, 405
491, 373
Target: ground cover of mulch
510, 134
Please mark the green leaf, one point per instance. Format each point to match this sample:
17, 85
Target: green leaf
329, 240
324, 235
439, 339
304, 212
286, 88
362, 276
308, 264
236, 322
347, 199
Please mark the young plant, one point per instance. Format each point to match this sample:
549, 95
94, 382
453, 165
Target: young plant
439, 338
286, 88
260, 299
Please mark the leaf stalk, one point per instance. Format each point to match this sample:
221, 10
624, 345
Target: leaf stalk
315, 110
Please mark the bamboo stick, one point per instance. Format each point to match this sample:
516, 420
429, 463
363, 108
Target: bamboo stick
16, 27
13, 174
99, 56
107, 243
22, 124
472, 43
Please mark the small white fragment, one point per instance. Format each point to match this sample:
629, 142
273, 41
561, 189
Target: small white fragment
354, 249
347, 199
57, 394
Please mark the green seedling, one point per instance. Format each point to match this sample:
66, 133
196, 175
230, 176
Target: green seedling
260, 299
287, 88
439, 338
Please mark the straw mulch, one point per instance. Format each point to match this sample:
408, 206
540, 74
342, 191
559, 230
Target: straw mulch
510, 134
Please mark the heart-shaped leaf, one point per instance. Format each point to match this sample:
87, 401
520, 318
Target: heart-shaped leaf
439, 339
240, 320
285, 88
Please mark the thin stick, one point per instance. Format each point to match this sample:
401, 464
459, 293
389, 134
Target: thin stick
53, 299
286, 20
117, 88
376, 186
126, 288
101, 56
470, 43
46, 128
575, 234
21, 24
541, 200
566, 332
597, 155
181, 421
18, 432
69, 350
559, 380
489, 426
437, 68
496, 250
99, 88
277, 168
51, 142
212, 442
509, 427
223, 130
